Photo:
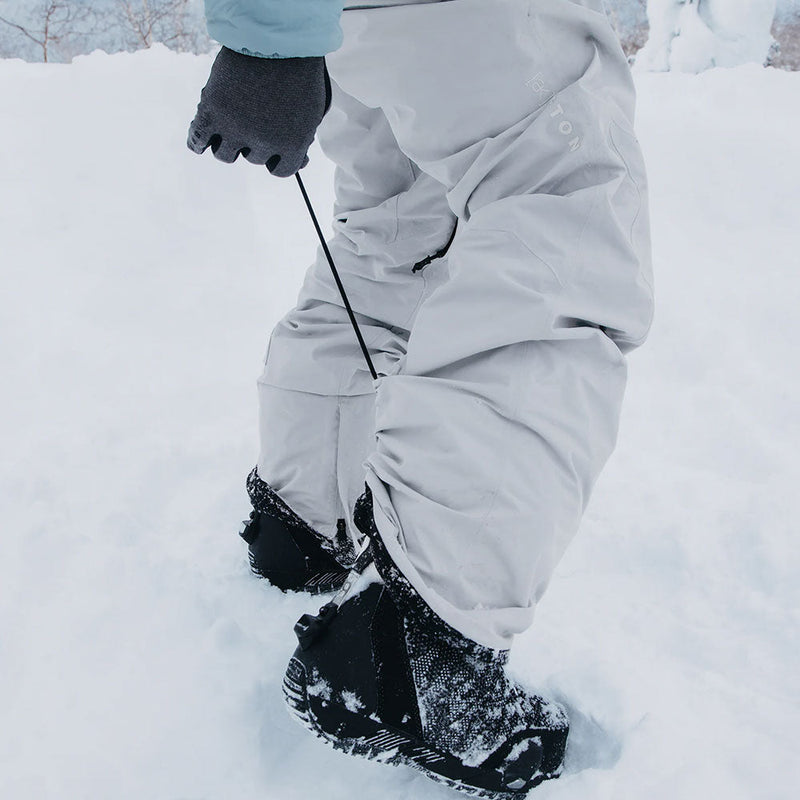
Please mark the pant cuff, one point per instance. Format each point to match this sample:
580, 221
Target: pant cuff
407, 597
267, 501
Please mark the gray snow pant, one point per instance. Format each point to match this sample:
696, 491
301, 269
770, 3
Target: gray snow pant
502, 365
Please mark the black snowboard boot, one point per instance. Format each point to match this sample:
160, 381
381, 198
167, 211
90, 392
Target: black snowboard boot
287, 551
383, 677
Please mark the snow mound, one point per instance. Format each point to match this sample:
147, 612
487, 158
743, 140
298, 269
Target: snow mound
138, 657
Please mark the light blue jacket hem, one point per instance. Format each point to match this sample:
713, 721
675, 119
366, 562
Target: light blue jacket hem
276, 28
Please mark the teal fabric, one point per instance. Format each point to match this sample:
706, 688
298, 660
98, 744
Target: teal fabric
276, 28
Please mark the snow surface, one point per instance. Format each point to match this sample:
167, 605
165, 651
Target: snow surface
139, 660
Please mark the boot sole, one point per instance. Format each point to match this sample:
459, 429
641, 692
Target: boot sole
368, 738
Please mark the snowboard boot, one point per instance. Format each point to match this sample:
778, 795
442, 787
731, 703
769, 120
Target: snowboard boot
287, 551
379, 675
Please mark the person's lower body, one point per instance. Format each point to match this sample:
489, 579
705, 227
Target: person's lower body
316, 396
502, 363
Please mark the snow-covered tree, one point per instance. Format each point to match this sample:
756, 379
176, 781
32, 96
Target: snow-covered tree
629, 20
693, 35
49, 25
178, 24
57, 30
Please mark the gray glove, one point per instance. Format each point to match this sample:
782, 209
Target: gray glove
266, 109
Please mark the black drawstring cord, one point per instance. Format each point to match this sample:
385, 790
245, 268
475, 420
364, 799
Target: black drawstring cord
337, 278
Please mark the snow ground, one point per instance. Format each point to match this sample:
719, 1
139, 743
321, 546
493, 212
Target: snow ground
139, 659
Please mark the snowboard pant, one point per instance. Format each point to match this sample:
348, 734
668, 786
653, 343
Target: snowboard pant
501, 363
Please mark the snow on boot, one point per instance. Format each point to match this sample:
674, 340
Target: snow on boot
379, 675
287, 551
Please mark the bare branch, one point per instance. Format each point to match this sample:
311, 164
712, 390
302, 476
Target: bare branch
53, 22
23, 30
149, 21
60, 28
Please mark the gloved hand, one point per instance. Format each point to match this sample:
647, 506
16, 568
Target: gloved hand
267, 109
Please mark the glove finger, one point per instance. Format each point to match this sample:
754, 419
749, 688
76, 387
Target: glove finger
257, 155
225, 150
201, 132
287, 164
197, 140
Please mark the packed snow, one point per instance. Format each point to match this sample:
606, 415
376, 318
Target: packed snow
138, 656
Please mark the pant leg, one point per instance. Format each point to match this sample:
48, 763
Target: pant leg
490, 438
316, 397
